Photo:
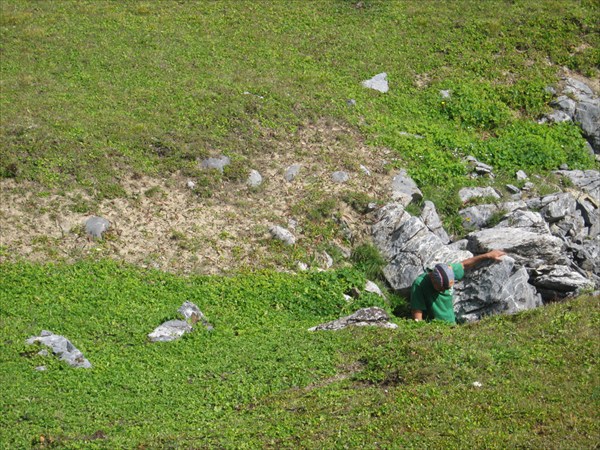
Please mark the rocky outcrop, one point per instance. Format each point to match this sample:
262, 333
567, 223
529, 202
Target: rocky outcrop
553, 243
373, 316
578, 103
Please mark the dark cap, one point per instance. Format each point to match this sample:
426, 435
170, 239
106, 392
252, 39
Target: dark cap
442, 277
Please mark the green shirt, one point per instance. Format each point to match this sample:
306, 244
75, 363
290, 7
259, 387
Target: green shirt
434, 304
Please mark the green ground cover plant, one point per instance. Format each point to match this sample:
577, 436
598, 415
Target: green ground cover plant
261, 380
91, 90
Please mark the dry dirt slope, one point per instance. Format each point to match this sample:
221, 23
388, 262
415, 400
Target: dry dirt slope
161, 223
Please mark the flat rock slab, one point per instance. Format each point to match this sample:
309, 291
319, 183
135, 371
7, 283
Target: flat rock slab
378, 82
170, 331
96, 226
372, 316
467, 194
61, 347
254, 179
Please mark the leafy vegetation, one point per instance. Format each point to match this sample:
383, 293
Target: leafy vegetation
94, 92
151, 87
260, 379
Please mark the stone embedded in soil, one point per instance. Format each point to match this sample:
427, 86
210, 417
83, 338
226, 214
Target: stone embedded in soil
96, 226
378, 82
292, 172
218, 163
254, 179
339, 177
282, 234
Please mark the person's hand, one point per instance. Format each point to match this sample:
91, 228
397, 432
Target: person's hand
496, 255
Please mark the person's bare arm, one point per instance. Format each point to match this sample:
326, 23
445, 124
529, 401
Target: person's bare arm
417, 314
494, 255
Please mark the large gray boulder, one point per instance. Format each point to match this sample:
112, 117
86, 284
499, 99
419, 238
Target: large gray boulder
372, 316
526, 221
409, 246
61, 347
556, 207
494, 288
528, 248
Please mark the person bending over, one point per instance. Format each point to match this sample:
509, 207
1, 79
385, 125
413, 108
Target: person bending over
432, 291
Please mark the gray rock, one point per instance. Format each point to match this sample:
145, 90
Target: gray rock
351, 102
467, 194
527, 248
254, 179
586, 180
409, 247
587, 255
372, 316
339, 177
479, 216
459, 245
521, 176
512, 189
587, 114
556, 117
191, 185
525, 220
590, 215
378, 82
565, 104
170, 331
404, 189
558, 206
445, 93
494, 288
430, 218
365, 170
61, 347
292, 172
96, 226
373, 288
528, 186
282, 234
578, 89
559, 281
218, 163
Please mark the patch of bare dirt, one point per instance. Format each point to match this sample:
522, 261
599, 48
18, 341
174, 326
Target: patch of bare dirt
161, 223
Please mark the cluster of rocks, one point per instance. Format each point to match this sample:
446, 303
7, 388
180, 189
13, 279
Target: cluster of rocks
576, 102
172, 330
552, 242
168, 331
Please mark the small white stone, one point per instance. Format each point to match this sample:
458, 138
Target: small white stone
191, 185
477, 384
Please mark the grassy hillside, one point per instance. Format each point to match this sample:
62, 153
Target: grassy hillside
260, 379
93, 90
101, 102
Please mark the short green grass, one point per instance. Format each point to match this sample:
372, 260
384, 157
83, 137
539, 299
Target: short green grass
94, 90
261, 380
